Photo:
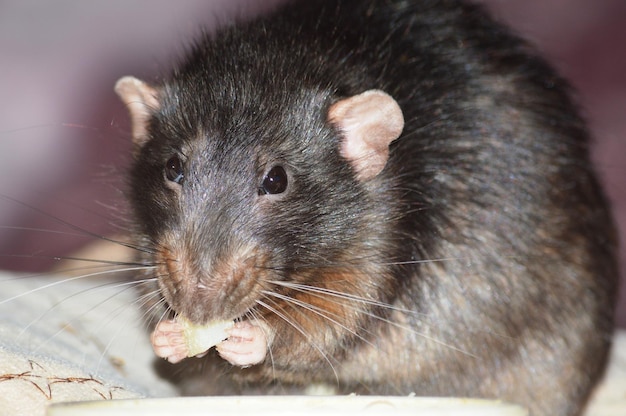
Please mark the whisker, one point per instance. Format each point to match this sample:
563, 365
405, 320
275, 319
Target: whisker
321, 292
121, 310
158, 304
48, 274
65, 281
253, 315
101, 262
341, 295
301, 331
81, 292
358, 260
78, 317
320, 312
42, 230
74, 227
149, 312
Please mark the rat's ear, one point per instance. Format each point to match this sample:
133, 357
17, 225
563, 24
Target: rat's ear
141, 100
369, 121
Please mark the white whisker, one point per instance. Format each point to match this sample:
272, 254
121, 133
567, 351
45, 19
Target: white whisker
320, 312
121, 310
68, 280
301, 331
340, 295
253, 315
322, 292
107, 285
126, 286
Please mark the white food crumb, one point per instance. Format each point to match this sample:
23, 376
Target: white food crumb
201, 338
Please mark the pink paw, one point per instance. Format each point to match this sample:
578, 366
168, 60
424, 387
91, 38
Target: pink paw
168, 341
246, 345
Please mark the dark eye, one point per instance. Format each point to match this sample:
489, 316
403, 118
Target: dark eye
275, 182
174, 170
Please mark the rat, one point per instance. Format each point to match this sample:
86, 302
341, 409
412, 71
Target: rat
389, 197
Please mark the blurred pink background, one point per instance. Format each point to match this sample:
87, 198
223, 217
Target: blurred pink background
64, 135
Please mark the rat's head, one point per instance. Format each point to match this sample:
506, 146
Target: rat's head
237, 187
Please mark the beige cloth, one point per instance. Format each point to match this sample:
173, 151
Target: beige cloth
73, 340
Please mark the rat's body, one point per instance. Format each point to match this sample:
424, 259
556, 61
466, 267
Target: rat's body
475, 258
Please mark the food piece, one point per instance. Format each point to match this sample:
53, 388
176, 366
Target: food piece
201, 338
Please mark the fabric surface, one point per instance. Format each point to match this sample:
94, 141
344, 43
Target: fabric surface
73, 340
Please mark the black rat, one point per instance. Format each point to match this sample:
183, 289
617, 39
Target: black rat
389, 197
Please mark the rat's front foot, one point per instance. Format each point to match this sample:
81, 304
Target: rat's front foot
246, 344
168, 341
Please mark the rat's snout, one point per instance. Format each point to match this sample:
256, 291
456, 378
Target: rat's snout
205, 287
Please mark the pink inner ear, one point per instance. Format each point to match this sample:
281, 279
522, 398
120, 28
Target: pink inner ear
141, 100
369, 121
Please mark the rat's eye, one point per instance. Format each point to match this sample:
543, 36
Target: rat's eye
174, 170
275, 182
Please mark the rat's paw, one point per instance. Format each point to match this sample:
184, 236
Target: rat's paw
168, 341
246, 345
